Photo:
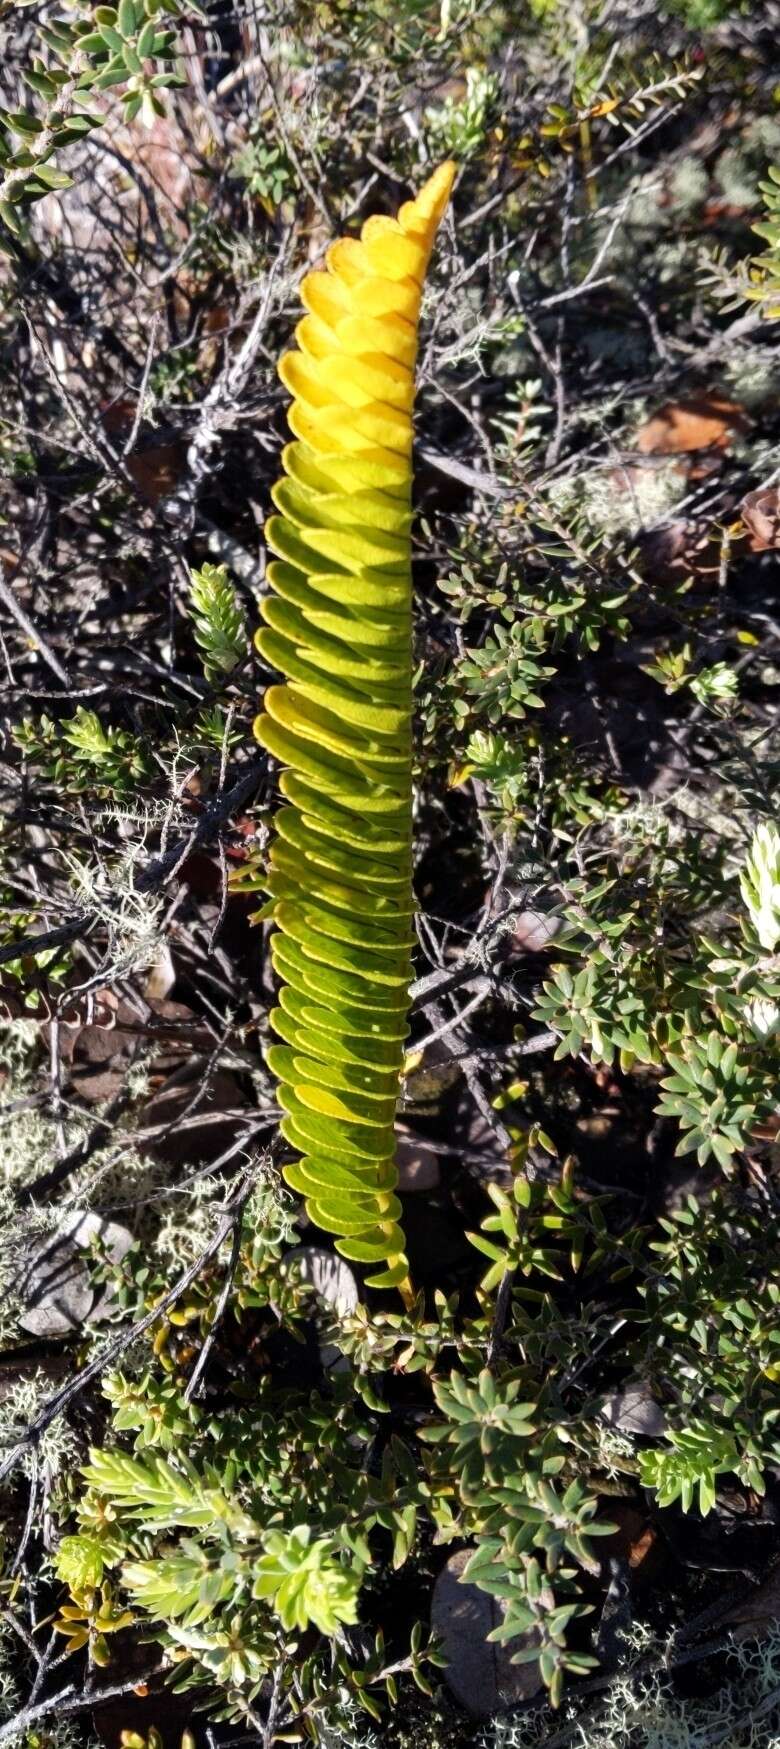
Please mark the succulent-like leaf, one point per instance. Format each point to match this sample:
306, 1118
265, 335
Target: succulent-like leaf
339, 627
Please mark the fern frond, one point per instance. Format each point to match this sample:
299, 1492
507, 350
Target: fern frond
339, 627
218, 620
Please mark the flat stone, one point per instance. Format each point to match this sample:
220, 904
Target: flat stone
634, 1410
535, 930
418, 1167
327, 1273
478, 1671
56, 1284
333, 1283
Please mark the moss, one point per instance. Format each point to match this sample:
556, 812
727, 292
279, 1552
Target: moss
648, 1713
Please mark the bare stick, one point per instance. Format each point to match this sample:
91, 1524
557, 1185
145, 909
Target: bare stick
156, 873
31, 631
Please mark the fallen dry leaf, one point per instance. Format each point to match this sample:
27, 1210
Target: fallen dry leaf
760, 511
213, 1123
157, 462
675, 550
699, 422
767, 1131
157, 469
636, 1540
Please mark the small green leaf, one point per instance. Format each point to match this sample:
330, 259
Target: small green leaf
79, 1562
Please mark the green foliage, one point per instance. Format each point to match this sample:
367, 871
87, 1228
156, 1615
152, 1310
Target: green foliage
79, 1563
257, 1530
489, 1433
524, 1219
646, 1704
245, 1573
119, 45
496, 761
213, 729
51, 963
687, 1472
706, 1015
760, 885
79, 57
765, 276
702, 14
273, 1520
306, 1582
161, 1494
186, 1585
507, 1464
710, 1335
502, 676
457, 127
218, 620
263, 166
89, 1621
524, 612
86, 754
716, 685
713, 1095
756, 279
152, 1407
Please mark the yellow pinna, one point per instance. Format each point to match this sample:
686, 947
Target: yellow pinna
339, 627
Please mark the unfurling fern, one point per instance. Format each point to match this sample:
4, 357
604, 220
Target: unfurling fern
339, 626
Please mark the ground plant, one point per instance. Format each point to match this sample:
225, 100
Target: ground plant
389, 874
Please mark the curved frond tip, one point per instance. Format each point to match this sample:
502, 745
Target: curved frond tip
338, 626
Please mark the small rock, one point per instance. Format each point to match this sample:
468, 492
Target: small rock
418, 1169
83, 1226
57, 1290
478, 1671
535, 930
56, 1285
328, 1274
634, 1410
334, 1284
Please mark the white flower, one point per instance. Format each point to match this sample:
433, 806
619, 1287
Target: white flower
760, 885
